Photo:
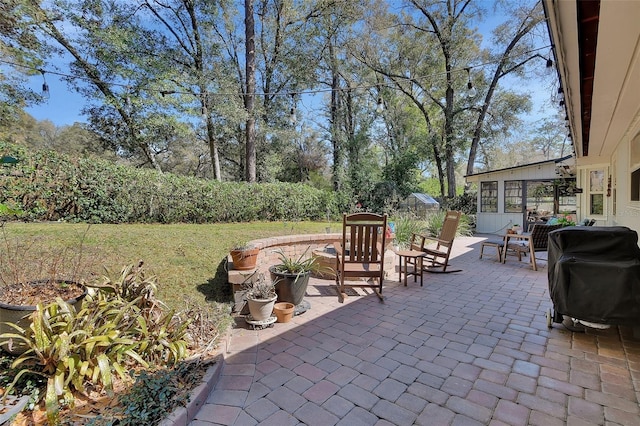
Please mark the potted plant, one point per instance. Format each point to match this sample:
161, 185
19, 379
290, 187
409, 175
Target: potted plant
18, 301
566, 220
292, 276
32, 274
261, 296
244, 256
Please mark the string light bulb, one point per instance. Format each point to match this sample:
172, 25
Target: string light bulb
549, 60
203, 109
292, 114
380, 106
471, 91
45, 87
127, 100
233, 94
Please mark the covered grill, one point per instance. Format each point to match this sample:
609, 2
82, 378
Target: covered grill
594, 274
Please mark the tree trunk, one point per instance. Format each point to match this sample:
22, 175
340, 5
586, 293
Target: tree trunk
213, 147
531, 20
249, 96
448, 129
338, 154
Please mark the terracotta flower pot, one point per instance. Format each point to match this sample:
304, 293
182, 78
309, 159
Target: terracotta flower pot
284, 311
244, 260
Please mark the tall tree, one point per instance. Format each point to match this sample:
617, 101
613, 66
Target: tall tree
187, 42
430, 55
21, 54
514, 56
250, 91
87, 31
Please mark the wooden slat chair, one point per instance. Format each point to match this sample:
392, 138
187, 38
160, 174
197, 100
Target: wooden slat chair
539, 240
437, 259
361, 252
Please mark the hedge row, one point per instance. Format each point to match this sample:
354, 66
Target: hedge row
49, 186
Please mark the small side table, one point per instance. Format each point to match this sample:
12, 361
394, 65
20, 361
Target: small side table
413, 257
526, 246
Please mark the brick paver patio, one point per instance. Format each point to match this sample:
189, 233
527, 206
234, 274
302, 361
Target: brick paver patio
468, 348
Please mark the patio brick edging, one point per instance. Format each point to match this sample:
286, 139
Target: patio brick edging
182, 416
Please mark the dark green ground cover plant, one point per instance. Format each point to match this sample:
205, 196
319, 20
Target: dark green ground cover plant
119, 327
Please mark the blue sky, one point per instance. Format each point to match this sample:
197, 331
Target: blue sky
63, 106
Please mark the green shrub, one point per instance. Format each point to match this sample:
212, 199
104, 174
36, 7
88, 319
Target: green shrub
467, 203
48, 186
434, 223
408, 223
405, 225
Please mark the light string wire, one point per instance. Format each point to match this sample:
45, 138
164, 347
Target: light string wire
289, 93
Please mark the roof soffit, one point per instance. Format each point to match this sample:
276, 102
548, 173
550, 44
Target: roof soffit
616, 89
616, 77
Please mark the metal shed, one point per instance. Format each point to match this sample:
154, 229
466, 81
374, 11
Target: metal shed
419, 204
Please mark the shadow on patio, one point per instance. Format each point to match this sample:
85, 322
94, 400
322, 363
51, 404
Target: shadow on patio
471, 347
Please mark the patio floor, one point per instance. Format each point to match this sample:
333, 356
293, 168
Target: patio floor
468, 348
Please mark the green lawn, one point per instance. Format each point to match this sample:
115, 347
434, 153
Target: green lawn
188, 260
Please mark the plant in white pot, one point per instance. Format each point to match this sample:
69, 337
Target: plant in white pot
261, 296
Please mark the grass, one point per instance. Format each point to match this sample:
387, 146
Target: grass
188, 260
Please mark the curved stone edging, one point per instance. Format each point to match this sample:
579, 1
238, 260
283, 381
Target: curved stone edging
182, 416
290, 245
270, 248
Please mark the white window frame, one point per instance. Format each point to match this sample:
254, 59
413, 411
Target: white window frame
634, 167
596, 183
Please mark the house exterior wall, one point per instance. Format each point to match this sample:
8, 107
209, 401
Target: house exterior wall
619, 209
615, 108
622, 210
497, 223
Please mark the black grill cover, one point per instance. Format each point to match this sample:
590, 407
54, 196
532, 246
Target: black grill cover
594, 274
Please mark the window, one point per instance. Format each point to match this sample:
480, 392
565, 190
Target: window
513, 196
567, 200
596, 192
540, 198
634, 166
635, 185
489, 197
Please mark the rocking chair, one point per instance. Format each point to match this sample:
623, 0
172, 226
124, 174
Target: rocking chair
361, 252
437, 259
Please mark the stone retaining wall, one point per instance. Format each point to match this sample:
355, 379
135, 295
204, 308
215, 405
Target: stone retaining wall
292, 246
